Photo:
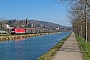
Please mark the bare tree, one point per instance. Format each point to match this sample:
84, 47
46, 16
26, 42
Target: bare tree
78, 13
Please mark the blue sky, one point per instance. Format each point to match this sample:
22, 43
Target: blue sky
43, 10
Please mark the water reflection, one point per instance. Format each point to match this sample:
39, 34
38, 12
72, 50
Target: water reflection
28, 48
3, 40
19, 49
17, 40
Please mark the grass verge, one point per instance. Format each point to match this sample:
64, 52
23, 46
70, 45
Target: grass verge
84, 47
48, 55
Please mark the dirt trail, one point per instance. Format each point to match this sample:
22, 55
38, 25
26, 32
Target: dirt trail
69, 50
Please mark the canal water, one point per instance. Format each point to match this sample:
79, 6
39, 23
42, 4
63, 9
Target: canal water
29, 48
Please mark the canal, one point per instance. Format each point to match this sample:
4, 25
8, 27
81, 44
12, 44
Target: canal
29, 48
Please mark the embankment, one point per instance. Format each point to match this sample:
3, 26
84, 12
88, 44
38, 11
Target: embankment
84, 47
12, 37
49, 55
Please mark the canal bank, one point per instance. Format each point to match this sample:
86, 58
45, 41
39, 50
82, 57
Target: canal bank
50, 54
29, 48
84, 47
69, 50
12, 37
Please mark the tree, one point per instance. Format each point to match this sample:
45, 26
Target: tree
79, 13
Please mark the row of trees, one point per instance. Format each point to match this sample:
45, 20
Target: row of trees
79, 14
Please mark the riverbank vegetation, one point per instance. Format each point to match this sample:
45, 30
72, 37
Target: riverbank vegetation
84, 47
49, 55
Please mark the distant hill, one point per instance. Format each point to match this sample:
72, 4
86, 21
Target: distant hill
48, 24
15, 23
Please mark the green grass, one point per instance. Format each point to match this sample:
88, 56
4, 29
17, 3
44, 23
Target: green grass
48, 55
84, 47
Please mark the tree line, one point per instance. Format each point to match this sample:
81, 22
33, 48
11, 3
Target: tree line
79, 15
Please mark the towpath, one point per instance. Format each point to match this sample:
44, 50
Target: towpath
69, 50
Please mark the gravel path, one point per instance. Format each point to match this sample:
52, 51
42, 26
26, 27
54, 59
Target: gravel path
69, 50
